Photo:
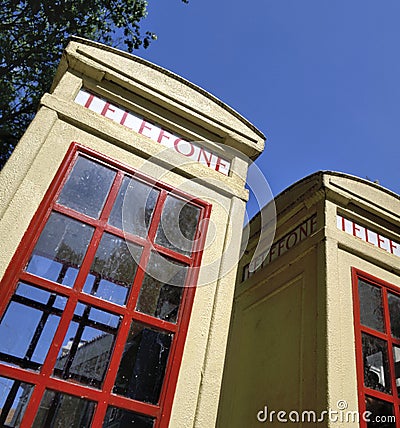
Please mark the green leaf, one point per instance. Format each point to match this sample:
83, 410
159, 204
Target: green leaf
33, 34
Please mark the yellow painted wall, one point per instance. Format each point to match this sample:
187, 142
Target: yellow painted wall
182, 107
291, 343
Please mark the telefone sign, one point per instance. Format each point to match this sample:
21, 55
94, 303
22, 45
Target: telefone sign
151, 130
368, 235
281, 246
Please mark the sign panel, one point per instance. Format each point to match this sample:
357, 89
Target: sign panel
280, 247
151, 130
368, 235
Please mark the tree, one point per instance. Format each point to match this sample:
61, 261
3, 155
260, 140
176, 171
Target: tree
33, 34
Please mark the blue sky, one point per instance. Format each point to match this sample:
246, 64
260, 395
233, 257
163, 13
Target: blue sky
320, 78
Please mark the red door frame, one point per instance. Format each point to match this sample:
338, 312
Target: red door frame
15, 273
363, 391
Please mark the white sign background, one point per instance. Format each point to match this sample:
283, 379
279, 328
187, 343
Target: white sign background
367, 235
151, 130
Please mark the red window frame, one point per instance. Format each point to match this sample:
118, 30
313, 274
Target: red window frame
363, 390
104, 397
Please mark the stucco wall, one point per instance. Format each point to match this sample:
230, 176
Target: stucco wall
186, 109
292, 344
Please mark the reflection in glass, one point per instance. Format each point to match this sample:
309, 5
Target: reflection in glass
178, 225
134, 207
26, 343
87, 347
376, 364
87, 187
141, 372
121, 418
394, 311
371, 310
396, 357
379, 411
14, 397
63, 410
113, 269
157, 297
59, 252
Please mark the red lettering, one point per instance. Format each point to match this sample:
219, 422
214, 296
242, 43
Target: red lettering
220, 164
303, 231
313, 224
204, 153
280, 246
288, 246
343, 224
380, 240
144, 125
366, 235
124, 116
176, 145
271, 253
89, 101
163, 135
106, 108
392, 246
355, 229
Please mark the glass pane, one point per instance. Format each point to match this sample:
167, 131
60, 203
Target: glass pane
178, 225
396, 356
61, 410
371, 311
14, 397
157, 297
28, 326
87, 187
60, 249
376, 365
134, 207
141, 372
394, 311
113, 269
381, 413
87, 347
121, 418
